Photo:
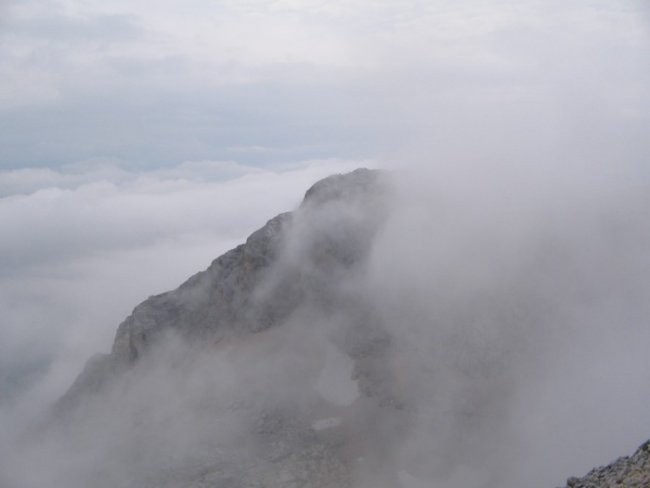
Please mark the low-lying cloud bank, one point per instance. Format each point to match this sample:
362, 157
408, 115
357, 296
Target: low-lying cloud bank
516, 308
83, 245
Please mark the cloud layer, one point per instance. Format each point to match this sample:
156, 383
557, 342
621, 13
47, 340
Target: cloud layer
492, 327
83, 246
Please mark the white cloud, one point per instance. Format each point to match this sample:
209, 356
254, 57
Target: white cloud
82, 246
516, 305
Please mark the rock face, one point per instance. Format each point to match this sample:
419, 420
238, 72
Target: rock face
298, 263
626, 472
296, 258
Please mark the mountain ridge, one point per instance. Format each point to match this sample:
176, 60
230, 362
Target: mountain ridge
242, 293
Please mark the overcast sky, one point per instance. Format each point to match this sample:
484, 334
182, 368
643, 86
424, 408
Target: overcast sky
138, 143
262, 82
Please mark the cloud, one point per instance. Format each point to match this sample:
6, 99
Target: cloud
498, 318
514, 296
353, 80
70, 30
527, 124
86, 243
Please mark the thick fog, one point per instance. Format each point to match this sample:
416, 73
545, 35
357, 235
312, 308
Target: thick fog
503, 287
83, 245
505, 327
523, 303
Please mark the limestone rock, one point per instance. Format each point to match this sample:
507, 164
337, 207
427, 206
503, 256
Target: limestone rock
626, 472
297, 261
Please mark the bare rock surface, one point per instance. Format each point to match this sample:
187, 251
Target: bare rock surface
626, 472
241, 436
297, 257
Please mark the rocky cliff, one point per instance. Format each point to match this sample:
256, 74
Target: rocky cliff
300, 264
297, 259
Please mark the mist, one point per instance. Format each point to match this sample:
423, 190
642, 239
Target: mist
485, 325
83, 245
519, 299
493, 334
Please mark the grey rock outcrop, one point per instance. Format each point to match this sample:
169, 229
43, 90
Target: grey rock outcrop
626, 472
297, 257
294, 264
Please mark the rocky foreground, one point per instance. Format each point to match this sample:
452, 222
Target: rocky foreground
626, 472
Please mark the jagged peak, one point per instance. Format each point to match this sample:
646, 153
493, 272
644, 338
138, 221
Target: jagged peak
343, 186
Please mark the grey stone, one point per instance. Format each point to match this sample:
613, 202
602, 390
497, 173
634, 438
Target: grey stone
626, 472
297, 259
